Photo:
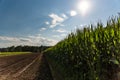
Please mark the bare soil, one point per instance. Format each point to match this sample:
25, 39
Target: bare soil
24, 67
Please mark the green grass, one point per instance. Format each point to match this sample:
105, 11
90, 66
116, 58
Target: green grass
12, 53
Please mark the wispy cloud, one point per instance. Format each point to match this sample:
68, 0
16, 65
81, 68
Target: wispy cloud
37, 40
6, 41
57, 20
5, 38
60, 36
63, 35
42, 29
61, 24
64, 16
60, 30
25, 40
47, 23
56, 36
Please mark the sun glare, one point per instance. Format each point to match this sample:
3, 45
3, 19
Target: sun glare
84, 6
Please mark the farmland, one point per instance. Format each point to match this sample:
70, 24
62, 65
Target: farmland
92, 53
24, 67
12, 53
59, 39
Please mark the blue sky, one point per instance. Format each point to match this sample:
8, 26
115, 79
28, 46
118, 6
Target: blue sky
45, 22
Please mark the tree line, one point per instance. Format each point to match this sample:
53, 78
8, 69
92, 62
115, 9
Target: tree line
24, 49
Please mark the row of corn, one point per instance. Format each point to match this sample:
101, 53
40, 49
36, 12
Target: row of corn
92, 53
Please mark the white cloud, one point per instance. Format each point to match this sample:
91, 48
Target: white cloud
42, 29
61, 24
73, 13
64, 16
57, 20
14, 39
63, 35
60, 30
6, 41
39, 40
5, 38
38, 34
47, 23
53, 25
25, 40
56, 36
29, 40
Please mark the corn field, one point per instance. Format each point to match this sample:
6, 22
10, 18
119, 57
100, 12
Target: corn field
92, 53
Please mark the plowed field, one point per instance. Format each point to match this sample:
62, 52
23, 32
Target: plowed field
24, 67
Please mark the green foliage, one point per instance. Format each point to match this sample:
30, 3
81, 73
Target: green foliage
89, 54
24, 49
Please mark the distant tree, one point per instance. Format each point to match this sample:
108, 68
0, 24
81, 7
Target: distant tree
24, 49
11, 49
18, 48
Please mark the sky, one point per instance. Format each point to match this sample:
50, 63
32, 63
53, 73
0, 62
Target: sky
46, 22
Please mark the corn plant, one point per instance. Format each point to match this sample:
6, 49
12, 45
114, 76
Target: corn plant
92, 53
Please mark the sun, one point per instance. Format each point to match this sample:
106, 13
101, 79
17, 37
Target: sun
84, 6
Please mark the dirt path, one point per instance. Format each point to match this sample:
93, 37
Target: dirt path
24, 67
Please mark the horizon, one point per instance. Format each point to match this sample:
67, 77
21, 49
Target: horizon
44, 22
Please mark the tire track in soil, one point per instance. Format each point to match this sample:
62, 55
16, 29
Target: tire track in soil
12, 69
44, 68
25, 67
29, 71
9, 60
